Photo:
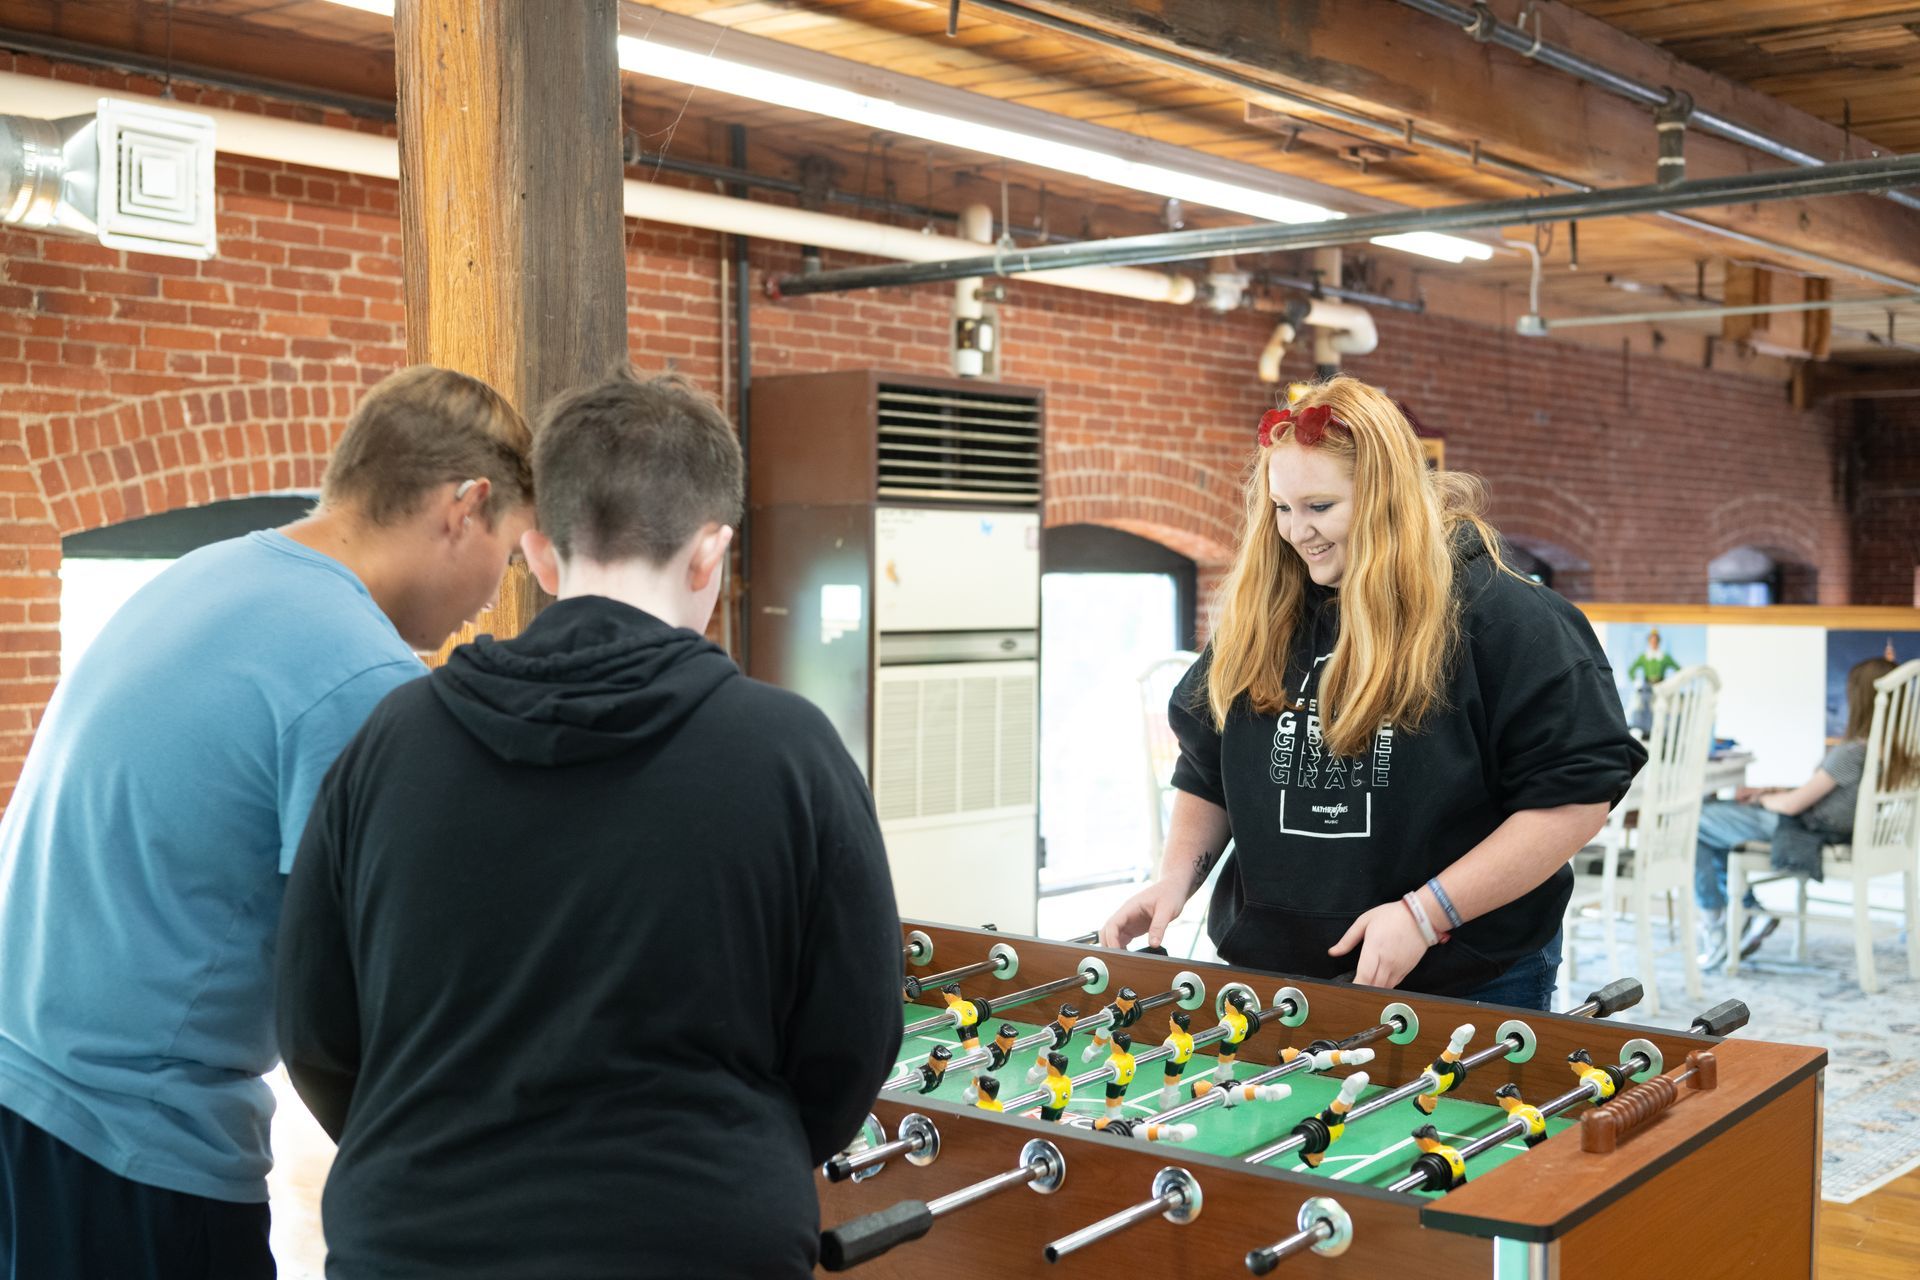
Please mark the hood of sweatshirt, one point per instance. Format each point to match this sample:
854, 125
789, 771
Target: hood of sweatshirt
591, 678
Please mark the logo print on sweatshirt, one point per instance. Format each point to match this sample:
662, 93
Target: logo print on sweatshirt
1332, 796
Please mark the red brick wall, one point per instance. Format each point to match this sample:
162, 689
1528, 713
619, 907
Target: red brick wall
1884, 465
131, 384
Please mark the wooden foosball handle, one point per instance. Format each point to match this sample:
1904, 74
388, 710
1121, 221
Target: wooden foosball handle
1602, 1128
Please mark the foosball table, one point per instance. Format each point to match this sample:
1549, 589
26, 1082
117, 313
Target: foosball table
1063, 1107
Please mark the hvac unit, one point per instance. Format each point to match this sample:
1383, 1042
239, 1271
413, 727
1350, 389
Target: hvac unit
895, 581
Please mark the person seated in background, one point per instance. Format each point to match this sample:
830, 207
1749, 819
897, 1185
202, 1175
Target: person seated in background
590, 956
1796, 821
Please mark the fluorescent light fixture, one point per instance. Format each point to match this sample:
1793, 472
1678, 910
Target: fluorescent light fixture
684, 50
1432, 244
887, 115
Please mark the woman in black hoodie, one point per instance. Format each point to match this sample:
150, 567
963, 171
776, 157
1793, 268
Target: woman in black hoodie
1405, 741
590, 953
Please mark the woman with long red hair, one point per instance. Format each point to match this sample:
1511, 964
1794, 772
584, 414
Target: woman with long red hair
1404, 741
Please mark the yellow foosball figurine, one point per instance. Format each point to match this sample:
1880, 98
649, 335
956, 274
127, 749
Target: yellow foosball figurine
1059, 1087
1446, 1071
1124, 1015
986, 1093
1121, 1060
1604, 1080
1323, 1130
1508, 1096
1444, 1167
1180, 1041
1234, 1018
966, 1016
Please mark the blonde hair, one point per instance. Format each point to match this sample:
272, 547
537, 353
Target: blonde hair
1399, 617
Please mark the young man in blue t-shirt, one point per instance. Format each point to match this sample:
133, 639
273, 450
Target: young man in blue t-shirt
143, 855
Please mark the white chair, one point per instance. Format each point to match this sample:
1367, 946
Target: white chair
1163, 749
1657, 861
1886, 834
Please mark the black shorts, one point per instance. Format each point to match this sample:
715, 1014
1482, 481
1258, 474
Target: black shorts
62, 1215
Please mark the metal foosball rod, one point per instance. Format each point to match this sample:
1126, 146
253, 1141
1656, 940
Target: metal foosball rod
918, 1140
1514, 1041
1176, 1197
1186, 982
1090, 974
1322, 1226
1042, 1168
1002, 961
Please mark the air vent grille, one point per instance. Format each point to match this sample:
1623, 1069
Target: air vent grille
959, 446
954, 742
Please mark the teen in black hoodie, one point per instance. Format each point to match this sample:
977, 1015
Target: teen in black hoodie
1416, 828
590, 954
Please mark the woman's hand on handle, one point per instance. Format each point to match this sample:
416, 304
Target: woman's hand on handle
1390, 945
1197, 835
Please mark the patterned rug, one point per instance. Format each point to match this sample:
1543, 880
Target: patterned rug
1872, 1120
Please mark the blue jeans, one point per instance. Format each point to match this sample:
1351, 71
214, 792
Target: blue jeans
1528, 984
1724, 824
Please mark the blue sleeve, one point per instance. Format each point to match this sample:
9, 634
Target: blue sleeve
311, 744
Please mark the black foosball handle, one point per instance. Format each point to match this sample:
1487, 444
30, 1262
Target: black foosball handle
866, 1238
1621, 993
1723, 1019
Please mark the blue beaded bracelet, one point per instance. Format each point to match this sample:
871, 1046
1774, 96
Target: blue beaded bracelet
1446, 903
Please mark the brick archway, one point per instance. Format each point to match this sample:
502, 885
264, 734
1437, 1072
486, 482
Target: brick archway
1196, 514
186, 448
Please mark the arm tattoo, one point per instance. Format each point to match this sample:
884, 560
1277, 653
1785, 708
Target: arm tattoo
1201, 866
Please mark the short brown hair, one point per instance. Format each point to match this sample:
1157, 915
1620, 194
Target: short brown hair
632, 468
420, 428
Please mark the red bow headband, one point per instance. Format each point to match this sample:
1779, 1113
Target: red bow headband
1309, 425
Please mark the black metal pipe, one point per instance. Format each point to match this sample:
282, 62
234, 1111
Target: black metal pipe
1175, 246
1319, 290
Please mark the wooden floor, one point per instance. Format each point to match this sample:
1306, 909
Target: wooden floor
1877, 1237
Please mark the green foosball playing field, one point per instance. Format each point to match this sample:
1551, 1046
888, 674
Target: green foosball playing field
1375, 1150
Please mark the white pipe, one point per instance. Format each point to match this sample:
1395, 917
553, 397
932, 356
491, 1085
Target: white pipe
347, 151
1277, 344
976, 224
1351, 330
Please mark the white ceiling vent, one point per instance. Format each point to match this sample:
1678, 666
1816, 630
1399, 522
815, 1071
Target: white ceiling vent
133, 175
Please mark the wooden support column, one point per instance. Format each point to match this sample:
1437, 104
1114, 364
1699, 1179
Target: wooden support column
512, 236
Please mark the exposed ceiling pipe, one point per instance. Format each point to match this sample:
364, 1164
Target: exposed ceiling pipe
1405, 132
1349, 330
1479, 22
973, 331
1178, 246
348, 151
1713, 313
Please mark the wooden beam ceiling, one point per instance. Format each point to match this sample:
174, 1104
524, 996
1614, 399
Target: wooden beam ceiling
1381, 58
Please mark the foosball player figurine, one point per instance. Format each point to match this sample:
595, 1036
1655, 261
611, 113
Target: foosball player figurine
1446, 1070
1124, 1015
1180, 1041
1605, 1080
1508, 1096
986, 1093
1002, 1047
1234, 1018
1061, 1029
1232, 1095
934, 1068
1443, 1166
966, 1017
1121, 1060
1323, 1130
1059, 1087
